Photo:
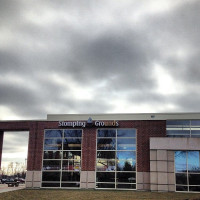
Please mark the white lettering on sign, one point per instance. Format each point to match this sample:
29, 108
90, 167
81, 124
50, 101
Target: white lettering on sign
73, 124
84, 124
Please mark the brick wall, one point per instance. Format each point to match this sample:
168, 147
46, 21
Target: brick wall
145, 129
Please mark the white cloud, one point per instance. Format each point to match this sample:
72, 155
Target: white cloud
166, 84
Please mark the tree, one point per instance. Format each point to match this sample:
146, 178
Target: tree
16, 169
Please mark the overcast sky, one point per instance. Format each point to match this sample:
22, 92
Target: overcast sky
105, 56
15, 147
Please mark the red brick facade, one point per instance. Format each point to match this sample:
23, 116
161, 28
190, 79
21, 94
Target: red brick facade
145, 129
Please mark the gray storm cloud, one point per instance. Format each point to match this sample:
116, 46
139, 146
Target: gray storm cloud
75, 57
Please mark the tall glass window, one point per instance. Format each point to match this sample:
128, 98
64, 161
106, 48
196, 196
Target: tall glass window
62, 158
187, 171
116, 158
183, 128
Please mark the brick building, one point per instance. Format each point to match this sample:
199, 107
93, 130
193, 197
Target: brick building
157, 152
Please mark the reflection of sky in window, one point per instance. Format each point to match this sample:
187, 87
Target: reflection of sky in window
73, 133
126, 155
193, 160
180, 161
126, 133
53, 133
178, 122
126, 144
195, 122
106, 133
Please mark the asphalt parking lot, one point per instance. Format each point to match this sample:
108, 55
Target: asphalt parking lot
5, 188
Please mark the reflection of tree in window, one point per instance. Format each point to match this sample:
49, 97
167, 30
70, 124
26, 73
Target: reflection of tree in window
125, 166
128, 166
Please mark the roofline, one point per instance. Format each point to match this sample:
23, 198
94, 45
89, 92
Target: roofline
125, 116
116, 116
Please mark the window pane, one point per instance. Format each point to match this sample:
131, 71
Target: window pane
57, 162
195, 122
77, 185
116, 153
193, 161
126, 177
195, 132
194, 179
105, 165
52, 154
106, 133
178, 122
50, 184
73, 133
53, 144
71, 176
105, 177
72, 155
126, 133
51, 176
74, 165
106, 144
181, 179
53, 133
126, 165
126, 144
194, 188
180, 161
179, 133
72, 144
189, 179
181, 188
126, 186
105, 185
106, 154
178, 136
126, 155
51, 164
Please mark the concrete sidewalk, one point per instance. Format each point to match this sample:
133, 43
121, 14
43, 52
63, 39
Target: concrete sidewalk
5, 188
